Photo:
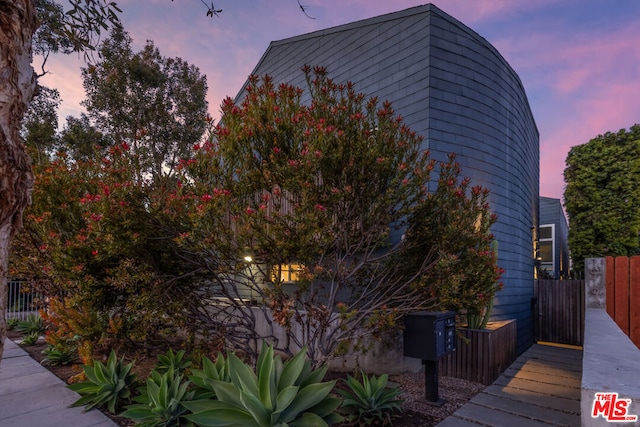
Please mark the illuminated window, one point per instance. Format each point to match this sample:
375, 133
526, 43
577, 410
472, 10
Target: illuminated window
286, 272
547, 248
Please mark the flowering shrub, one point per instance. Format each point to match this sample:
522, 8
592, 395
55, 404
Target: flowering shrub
326, 179
456, 222
94, 245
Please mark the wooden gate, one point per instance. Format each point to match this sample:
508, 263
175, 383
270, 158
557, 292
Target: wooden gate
559, 311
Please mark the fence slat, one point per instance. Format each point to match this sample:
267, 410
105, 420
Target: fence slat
621, 293
634, 300
21, 300
610, 286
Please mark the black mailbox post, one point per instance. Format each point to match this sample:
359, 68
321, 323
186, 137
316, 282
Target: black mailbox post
429, 335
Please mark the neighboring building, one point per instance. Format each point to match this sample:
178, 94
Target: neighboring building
553, 249
454, 88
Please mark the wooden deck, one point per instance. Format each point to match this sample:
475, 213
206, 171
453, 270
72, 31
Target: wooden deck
541, 388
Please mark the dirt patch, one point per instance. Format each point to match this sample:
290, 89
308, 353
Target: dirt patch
417, 412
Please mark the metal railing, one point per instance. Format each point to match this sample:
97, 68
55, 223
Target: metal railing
22, 300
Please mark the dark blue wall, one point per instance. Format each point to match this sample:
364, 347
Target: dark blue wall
551, 213
455, 89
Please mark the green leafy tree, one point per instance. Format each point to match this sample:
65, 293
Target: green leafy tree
602, 196
155, 104
40, 124
81, 140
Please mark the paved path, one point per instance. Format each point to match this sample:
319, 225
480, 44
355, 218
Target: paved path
541, 388
31, 396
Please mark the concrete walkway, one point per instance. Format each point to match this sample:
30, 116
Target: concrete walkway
541, 388
31, 396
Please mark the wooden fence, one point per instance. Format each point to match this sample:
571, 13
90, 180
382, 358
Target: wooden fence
623, 294
482, 355
559, 311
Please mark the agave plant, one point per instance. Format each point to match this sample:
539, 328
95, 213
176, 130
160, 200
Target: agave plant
203, 379
32, 325
107, 385
12, 323
55, 355
159, 403
178, 361
280, 394
370, 402
30, 339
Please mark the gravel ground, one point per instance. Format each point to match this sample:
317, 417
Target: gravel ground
454, 391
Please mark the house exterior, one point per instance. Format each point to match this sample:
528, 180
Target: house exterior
454, 88
553, 247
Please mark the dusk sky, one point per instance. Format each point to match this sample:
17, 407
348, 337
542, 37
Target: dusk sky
579, 60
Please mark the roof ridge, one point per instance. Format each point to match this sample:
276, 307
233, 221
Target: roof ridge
391, 16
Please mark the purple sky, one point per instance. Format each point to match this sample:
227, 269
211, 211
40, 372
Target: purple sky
579, 60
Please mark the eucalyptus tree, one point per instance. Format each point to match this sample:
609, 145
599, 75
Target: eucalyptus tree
19, 23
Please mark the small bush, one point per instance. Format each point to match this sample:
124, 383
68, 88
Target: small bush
160, 401
30, 339
32, 325
276, 394
370, 402
107, 386
204, 379
12, 323
60, 355
176, 361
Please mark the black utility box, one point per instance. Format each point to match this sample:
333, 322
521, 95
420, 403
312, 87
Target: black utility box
429, 335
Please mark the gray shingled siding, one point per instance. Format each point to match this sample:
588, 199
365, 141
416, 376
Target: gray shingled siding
455, 89
551, 213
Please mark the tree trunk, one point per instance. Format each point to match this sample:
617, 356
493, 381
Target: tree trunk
17, 86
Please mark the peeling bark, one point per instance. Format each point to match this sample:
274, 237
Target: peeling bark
18, 23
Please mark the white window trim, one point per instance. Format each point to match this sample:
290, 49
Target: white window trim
551, 239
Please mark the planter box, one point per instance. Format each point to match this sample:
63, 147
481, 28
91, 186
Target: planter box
489, 352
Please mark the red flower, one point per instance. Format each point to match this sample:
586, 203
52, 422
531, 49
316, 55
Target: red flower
320, 207
250, 211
